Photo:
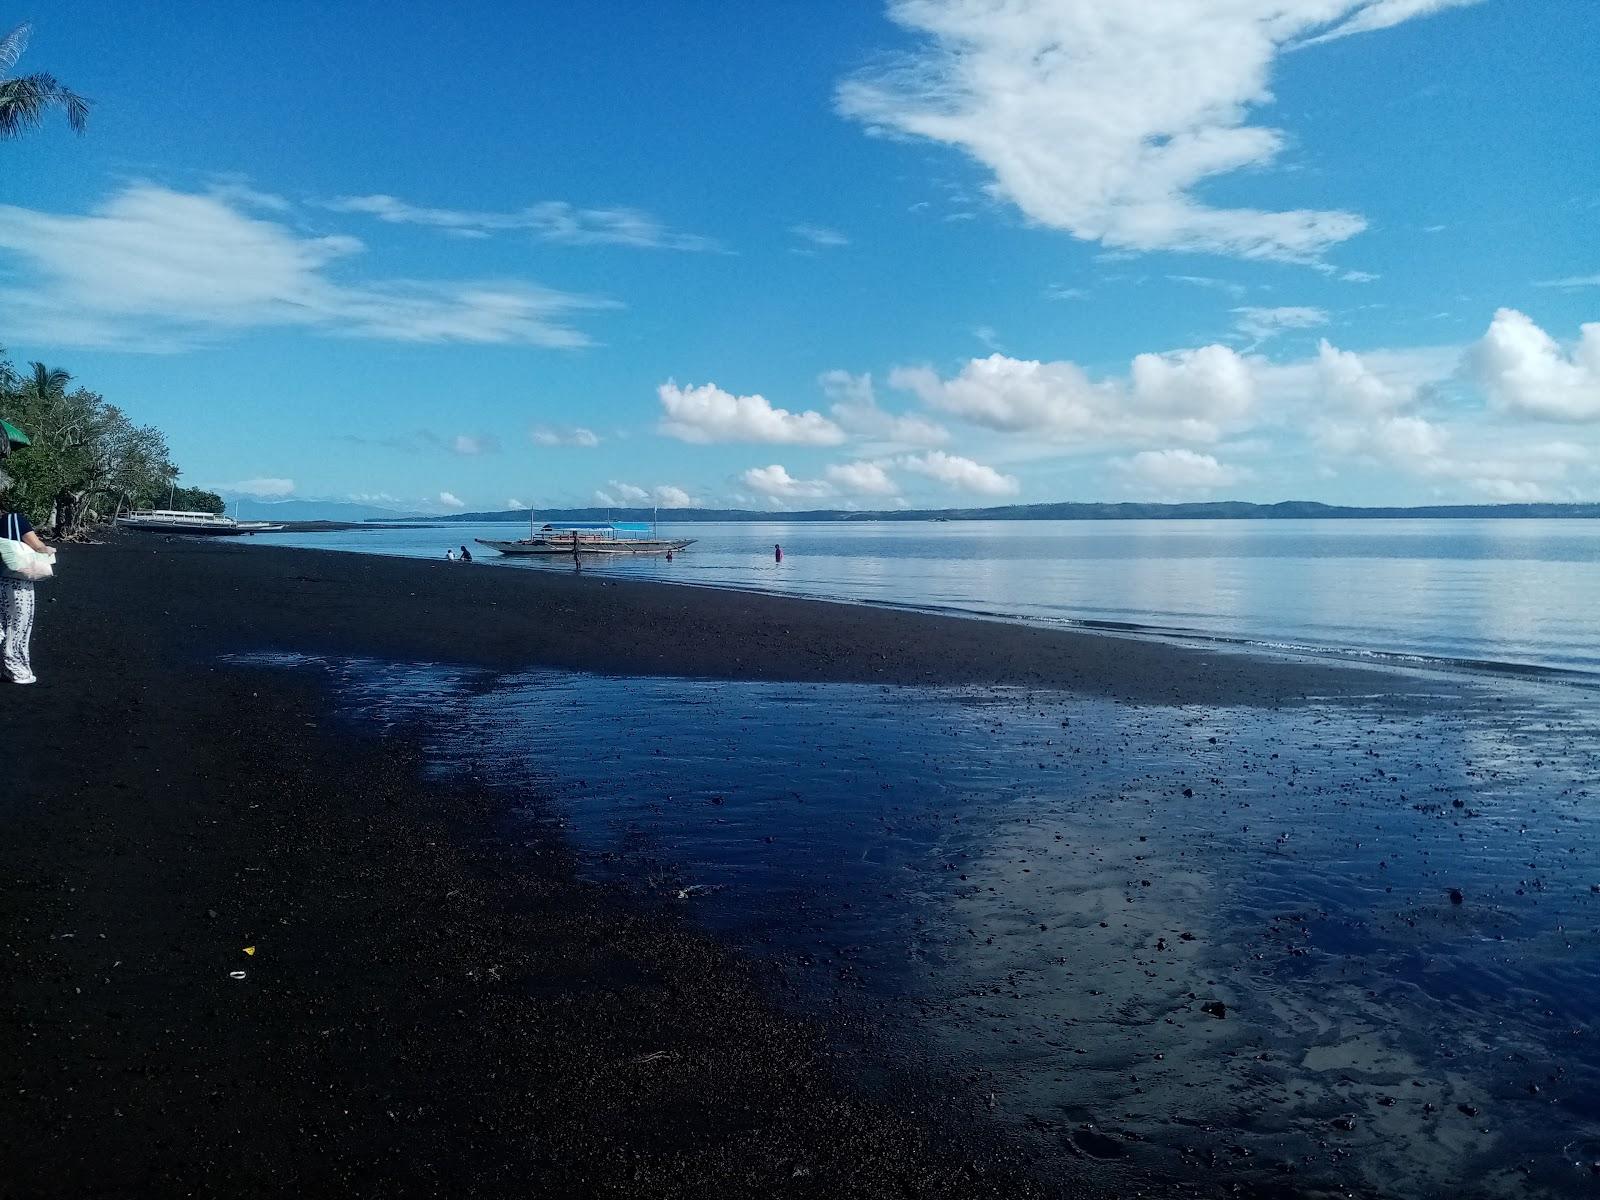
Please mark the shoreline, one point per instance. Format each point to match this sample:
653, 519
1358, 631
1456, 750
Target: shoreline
431, 1010
1450, 665
505, 619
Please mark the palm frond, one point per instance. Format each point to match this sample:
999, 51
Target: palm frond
12, 46
25, 99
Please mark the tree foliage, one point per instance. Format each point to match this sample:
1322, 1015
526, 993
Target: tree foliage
25, 99
87, 458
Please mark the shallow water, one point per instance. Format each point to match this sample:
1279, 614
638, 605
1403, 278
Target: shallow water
1034, 896
1498, 591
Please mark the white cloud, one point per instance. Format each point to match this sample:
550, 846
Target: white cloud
550, 221
1189, 394
451, 500
1105, 124
1571, 281
775, 483
257, 487
669, 496
152, 270
617, 494
1349, 384
1260, 324
513, 502
961, 473
819, 235
708, 414
382, 498
1179, 471
860, 479
1383, 14
545, 436
1524, 370
855, 408
470, 445
1369, 407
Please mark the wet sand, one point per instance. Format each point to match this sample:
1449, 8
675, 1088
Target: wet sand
431, 1010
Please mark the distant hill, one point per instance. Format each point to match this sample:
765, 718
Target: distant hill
316, 510
1211, 510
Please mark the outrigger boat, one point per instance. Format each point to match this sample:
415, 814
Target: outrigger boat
590, 537
167, 520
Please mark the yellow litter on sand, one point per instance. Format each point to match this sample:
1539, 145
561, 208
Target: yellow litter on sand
249, 949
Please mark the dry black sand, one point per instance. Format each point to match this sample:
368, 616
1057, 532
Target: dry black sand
430, 1010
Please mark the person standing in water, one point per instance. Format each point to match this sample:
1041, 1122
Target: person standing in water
17, 597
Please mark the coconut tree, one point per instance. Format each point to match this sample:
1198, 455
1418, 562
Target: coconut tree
24, 99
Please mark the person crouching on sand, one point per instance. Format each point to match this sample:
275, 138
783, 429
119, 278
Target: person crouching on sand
16, 595
466, 555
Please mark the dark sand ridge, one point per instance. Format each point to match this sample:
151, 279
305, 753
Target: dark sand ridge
430, 1010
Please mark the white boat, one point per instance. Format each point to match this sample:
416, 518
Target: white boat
171, 520
590, 537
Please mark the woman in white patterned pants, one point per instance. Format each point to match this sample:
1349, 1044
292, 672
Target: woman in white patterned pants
16, 608
16, 601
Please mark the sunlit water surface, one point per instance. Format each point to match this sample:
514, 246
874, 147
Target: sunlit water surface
1035, 897
1498, 591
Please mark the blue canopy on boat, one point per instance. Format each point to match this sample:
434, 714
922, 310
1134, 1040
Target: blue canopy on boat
618, 526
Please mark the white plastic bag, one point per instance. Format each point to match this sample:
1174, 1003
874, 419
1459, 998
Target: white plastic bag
21, 561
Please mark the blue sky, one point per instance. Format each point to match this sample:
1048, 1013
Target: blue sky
827, 254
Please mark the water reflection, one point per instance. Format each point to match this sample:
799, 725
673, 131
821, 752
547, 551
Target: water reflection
1505, 591
1040, 896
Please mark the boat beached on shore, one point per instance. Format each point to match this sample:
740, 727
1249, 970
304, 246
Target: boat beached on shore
168, 520
590, 537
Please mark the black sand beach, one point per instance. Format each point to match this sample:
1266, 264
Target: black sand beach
430, 1010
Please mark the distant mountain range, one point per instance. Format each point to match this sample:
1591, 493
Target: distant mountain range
316, 510
1211, 510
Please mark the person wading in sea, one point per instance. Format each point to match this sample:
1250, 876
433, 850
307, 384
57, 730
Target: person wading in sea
16, 595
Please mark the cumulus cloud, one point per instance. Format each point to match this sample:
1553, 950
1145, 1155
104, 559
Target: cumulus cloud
513, 502
1179, 471
961, 473
708, 414
1524, 370
855, 408
1190, 394
775, 483
1349, 384
1106, 125
549, 221
451, 501
156, 270
669, 496
618, 494
543, 435
860, 479
261, 488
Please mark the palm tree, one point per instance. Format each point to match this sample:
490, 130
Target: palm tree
44, 384
24, 99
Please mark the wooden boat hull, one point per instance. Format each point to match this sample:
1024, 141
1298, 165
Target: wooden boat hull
195, 530
553, 547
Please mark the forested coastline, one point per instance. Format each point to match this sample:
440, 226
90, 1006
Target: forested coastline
84, 459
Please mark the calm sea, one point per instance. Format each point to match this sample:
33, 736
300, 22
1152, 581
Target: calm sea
1495, 591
